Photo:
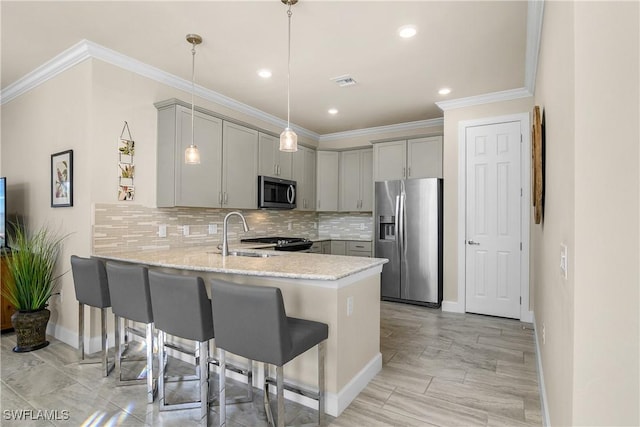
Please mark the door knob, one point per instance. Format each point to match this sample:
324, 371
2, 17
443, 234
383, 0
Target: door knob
471, 242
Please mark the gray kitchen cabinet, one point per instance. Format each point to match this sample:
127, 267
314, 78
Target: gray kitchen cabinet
239, 166
338, 247
356, 180
408, 159
326, 247
304, 173
272, 161
357, 248
316, 248
327, 183
179, 184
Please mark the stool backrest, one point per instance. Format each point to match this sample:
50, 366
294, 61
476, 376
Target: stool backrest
251, 321
181, 306
129, 291
90, 281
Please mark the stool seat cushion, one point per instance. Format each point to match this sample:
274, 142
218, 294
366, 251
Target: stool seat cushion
251, 321
305, 334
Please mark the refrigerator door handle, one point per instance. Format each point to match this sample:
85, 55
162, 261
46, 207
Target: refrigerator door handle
397, 221
403, 200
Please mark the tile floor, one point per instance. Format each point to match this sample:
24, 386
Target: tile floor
439, 369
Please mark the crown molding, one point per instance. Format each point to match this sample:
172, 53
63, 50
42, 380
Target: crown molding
535, 13
86, 49
487, 98
382, 129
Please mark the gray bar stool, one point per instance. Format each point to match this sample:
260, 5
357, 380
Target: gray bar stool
181, 308
250, 321
90, 283
131, 300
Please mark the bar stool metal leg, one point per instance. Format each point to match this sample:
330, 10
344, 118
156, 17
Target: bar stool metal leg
222, 389
104, 343
150, 391
322, 350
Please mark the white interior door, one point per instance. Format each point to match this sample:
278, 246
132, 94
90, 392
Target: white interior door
493, 232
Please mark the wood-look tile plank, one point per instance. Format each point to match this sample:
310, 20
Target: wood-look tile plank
361, 414
433, 410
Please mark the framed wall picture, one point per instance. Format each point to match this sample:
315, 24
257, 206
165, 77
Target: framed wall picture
62, 179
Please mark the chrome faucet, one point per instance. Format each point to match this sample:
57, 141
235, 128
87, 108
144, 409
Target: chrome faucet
225, 241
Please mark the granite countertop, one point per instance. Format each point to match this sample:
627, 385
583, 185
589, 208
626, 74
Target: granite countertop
293, 265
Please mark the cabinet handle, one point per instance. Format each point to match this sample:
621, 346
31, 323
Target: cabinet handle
409, 169
220, 197
278, 170
226, 198
275, 169
404, 172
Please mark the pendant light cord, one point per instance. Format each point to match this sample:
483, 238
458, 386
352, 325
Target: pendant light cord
289, 13
193, 89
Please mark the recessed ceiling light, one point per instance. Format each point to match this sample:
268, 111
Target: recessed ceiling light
264, 73
407, 31
333, 111
444, 91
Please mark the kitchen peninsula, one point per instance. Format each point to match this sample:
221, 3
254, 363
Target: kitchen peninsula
342, 291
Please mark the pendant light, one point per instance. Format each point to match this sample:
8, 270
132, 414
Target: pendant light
288, 138
192, 154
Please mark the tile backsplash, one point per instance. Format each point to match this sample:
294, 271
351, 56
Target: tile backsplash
126, 227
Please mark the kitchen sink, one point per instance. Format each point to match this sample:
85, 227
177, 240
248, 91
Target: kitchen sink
250, 254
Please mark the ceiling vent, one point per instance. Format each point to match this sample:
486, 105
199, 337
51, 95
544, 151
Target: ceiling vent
343, 81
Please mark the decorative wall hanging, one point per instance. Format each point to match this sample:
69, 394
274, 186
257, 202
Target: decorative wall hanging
538, 152
126, 167
62, 179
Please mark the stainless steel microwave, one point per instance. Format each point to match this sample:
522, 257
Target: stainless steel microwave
276, 193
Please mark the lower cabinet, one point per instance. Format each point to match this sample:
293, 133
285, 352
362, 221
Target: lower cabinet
362, 249
342, 247
6, 309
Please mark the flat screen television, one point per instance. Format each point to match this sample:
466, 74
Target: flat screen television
3, 212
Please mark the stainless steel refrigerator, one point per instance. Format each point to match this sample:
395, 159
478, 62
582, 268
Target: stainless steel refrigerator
408, 225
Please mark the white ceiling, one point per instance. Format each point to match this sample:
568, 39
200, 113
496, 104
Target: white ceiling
474, 48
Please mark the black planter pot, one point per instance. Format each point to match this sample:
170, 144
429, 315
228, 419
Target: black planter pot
30, 327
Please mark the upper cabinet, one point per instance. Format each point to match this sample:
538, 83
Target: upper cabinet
356, 180
406, 159
304, 173
239, 166
327, 181
272, 161
217, 181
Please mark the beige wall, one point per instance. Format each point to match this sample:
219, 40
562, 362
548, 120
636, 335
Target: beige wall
554, 296
588, 79
607, 281
450, 174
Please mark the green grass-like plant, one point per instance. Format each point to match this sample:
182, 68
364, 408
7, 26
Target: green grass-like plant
31, 267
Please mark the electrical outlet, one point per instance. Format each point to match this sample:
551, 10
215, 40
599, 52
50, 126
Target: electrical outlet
362, 226
315, 225
544, 334
162, 230
289, 226
213, 228
349, 306
185, 230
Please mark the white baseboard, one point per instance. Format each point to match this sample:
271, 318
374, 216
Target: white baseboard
452, 307
67, 336
543, 392
527, 317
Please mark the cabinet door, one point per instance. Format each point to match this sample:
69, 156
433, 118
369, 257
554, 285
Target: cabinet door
240, 167
389, 160
267, 149
350, 181
366, 180
424, 157
338, 247
326, 247
298, 175
197, 185
327, 181
284, 165
309, 179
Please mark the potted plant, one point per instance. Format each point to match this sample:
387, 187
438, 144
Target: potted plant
31, 283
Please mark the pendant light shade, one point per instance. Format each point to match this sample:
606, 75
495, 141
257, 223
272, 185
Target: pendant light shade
192, 154
288, 138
